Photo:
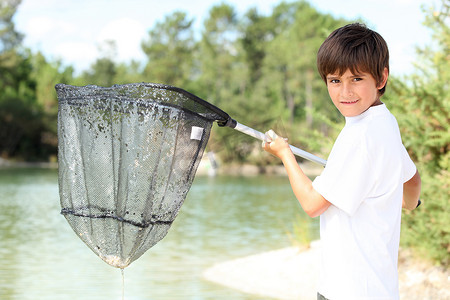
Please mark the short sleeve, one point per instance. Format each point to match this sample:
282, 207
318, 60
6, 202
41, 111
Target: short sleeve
347, 178
409, 168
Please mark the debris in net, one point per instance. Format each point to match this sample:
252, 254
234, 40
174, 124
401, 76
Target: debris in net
127, 158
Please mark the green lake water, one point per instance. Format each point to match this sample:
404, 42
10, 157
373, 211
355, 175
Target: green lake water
222, 218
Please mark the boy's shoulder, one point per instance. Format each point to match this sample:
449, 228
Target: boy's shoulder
373, 128
375, 118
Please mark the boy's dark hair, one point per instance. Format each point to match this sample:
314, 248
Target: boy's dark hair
356, 48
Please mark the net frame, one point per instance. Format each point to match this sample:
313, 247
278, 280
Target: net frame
113, 106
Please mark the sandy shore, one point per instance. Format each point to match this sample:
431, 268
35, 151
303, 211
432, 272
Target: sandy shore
281, 274
290, 273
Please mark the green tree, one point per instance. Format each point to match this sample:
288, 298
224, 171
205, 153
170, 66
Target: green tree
225, 79
291, 61
46, 75
103, 71
9, 37
9, 40
422, 108
129, 73
257, 32
20, 116
218, 56
169, 50
27, 98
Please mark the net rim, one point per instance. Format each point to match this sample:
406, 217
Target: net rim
60, 87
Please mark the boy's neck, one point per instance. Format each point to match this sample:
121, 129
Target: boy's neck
377, 102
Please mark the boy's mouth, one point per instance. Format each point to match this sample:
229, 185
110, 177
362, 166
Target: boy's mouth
349, 102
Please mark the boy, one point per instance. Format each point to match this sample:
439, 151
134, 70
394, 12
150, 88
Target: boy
368, 177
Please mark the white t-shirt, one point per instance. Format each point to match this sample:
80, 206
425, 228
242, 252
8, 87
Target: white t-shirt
360, 231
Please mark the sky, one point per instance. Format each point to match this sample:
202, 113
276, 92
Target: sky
75, 31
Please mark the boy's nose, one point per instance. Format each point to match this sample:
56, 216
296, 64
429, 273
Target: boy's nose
346, 91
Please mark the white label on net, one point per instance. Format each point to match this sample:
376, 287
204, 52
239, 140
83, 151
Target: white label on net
196, 133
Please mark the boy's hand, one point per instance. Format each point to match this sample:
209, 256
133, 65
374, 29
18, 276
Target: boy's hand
276, 145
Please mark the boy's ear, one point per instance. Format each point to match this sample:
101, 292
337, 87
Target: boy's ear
384, 80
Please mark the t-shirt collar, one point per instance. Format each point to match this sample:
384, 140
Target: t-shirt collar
373, 110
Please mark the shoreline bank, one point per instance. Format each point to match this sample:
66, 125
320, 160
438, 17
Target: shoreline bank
204, 169
291, 273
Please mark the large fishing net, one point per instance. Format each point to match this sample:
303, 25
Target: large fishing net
127, 157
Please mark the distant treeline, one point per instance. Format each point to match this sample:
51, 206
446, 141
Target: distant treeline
261, 69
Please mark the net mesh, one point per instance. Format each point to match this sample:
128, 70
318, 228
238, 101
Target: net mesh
127, 158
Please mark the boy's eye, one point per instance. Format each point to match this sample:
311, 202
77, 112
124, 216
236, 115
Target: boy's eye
357, 79
334, 81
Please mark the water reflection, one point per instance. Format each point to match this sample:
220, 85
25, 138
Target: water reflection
222, 218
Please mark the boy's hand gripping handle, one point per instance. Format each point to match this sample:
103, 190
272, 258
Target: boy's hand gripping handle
272, 135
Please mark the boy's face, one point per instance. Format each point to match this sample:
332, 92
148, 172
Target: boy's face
353, 94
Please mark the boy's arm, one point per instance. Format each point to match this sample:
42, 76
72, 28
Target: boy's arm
311, 201
411, 192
